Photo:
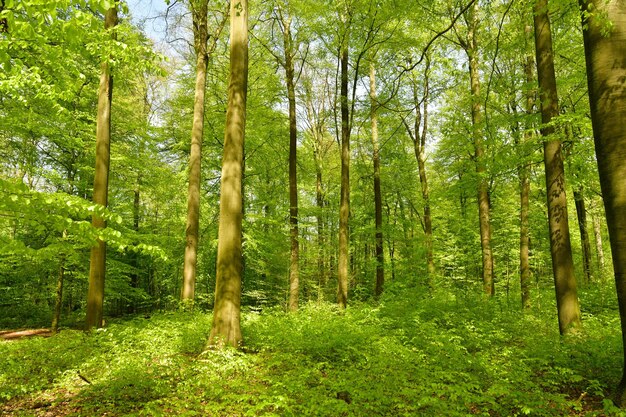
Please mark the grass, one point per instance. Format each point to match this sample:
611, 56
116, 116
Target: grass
409, 355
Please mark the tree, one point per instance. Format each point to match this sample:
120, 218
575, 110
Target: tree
419, 147
288, 65
581, 214
290, 46
344, 203
378, 204
604, 34
560, 246
470, 45
524, 180
226, 329
199, 11
97, 263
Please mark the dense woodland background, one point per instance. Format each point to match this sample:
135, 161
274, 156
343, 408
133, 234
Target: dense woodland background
409, 65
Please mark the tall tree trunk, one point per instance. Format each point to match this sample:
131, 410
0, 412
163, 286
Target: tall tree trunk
560, 246
226, 329
199, 10
524, 179
294, 278
479, 152
319, 200
597, 234
421, 166
344, 204
581, 213
419, 147
134, 277
378, 202
58, 301
606, 65
317, 129
97, 262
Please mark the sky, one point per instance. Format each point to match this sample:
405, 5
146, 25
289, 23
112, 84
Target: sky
148, 13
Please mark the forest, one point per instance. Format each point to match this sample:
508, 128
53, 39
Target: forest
312, 208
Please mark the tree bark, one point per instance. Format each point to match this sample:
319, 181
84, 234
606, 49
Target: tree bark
524, 179
419, 147
97, 262
421, 166
134, 277
58, 301
606, 67
344, 204
226, 329
479, 153
597, 234
378, 202
581, 213
294, 277
560, 246
199, 10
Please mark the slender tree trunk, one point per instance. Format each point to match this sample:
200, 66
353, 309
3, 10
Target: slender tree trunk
597, 234
419, 147
58, 302
421, 166
226, 329
524, 178
199, 10
317, 131
606, 65
134, 277
560, 246
378, 203
479, 153
319, 199
97, 262
294, 278
344, 204
581, 213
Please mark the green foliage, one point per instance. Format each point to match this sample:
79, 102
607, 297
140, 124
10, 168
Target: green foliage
412, 354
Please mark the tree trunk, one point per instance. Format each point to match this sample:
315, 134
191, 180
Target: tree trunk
479, 153
58, 302
199, 10
226, 329
421, 166
597, 234
319, 199
378, 204
560, 246
581, 213
134, 277
606, 65
97, 262
294, 278
524, 179
344, 204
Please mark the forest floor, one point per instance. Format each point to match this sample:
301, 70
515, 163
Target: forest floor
408, 355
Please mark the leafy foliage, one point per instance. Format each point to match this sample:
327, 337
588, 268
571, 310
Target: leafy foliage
411, 355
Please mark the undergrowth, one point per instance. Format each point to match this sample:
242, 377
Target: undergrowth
411, 354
